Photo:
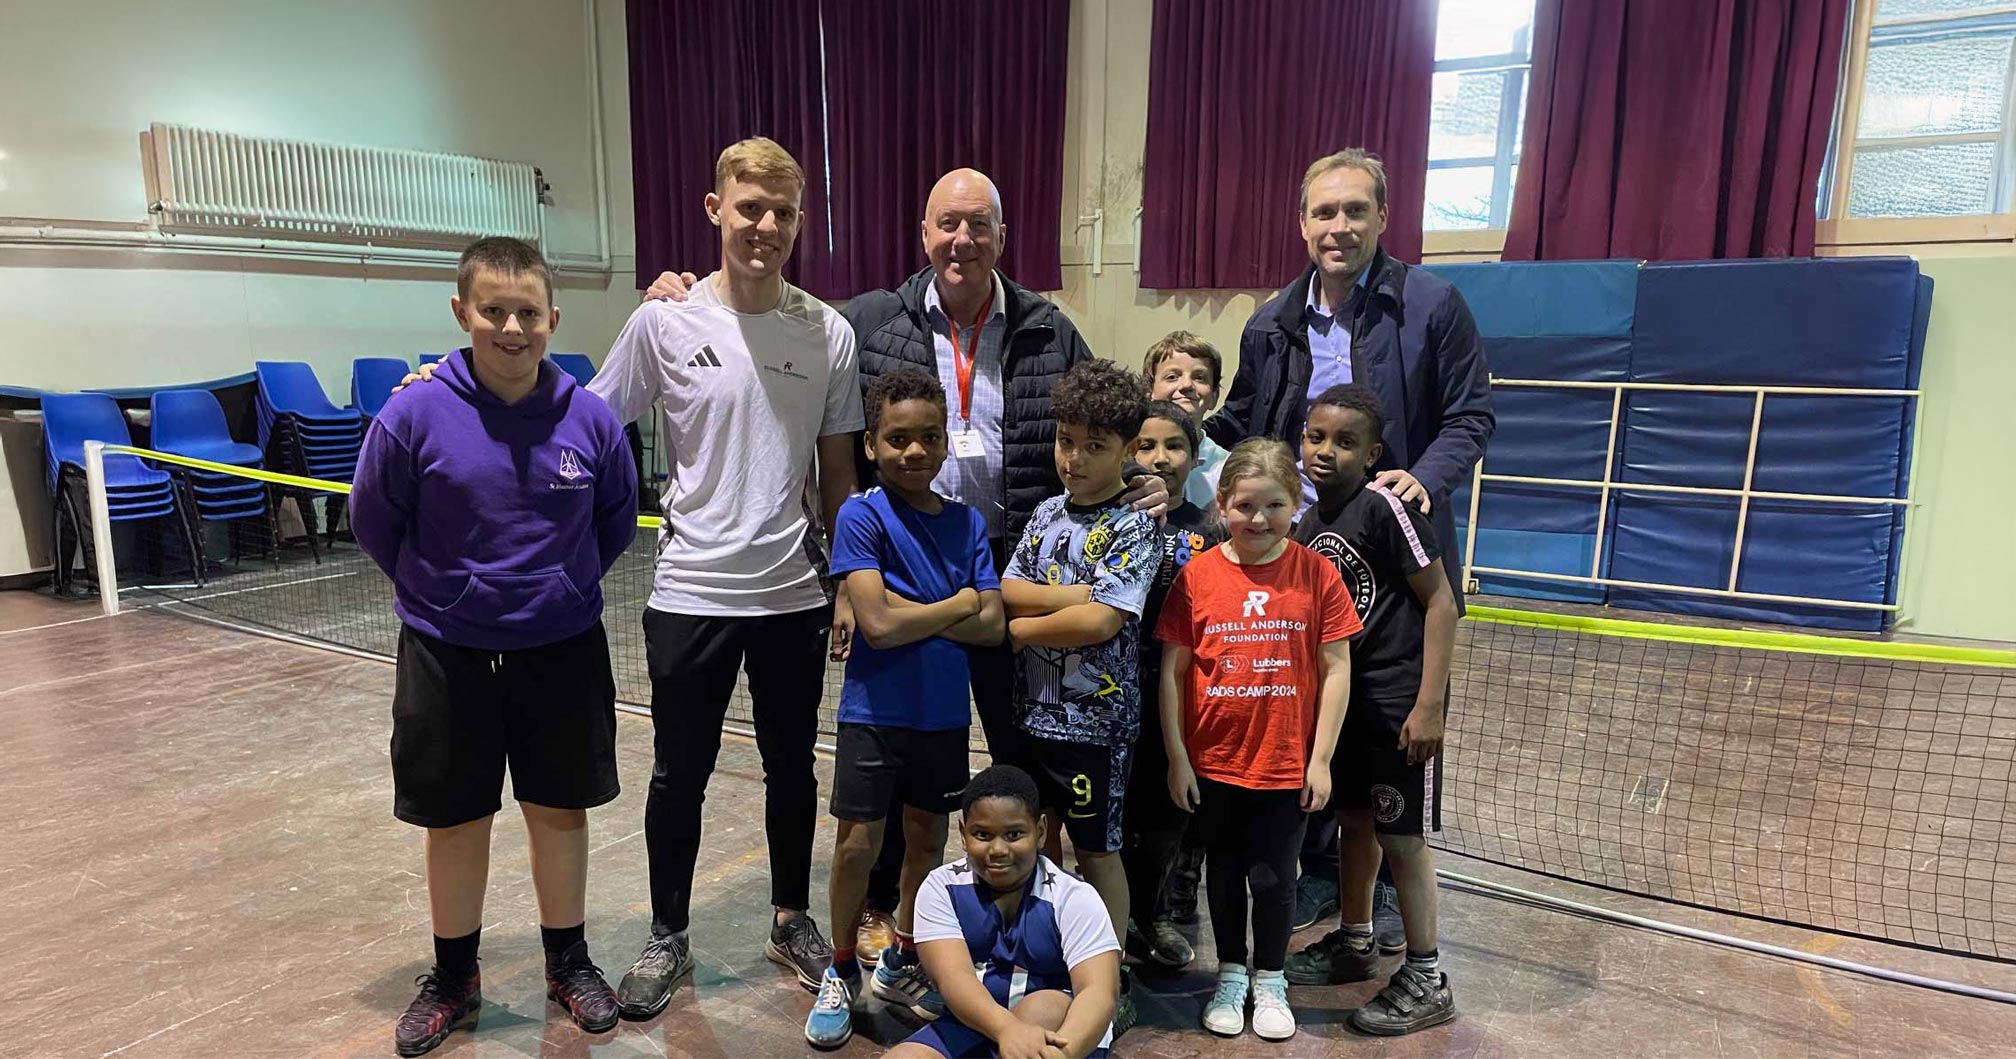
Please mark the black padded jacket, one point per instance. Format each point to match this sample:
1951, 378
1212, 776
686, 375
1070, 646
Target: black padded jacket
891, 330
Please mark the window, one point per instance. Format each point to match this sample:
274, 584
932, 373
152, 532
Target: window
1483, 51
1926, 122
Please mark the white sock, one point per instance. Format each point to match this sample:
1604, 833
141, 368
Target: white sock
1429, 963
1359, 935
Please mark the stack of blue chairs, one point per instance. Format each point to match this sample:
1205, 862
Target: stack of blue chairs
133, 490
299, 430
575, 364
371, 382
191, 423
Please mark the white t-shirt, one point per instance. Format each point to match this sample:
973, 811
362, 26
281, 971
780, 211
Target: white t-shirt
1061, 923
745, 398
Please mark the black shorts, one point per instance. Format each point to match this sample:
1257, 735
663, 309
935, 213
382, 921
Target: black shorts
1086, 783
461, 715
1369, 771
875, 764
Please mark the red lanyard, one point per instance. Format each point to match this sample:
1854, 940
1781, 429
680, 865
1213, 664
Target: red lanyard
963, 366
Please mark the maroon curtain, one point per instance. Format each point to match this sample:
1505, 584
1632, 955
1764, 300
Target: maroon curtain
1243, 95
703, 75
915, 88
1672, 131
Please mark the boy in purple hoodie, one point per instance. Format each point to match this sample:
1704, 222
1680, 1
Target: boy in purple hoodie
496, 503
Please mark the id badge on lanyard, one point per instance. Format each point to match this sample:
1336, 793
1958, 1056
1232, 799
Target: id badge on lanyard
966, 443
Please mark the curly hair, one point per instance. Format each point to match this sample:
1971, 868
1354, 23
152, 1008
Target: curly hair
907, 383
1355, 397
1101, 396
1174, 413
1002, 781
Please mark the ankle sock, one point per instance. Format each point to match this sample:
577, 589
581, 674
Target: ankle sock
1429, 963
905, 943
844, 962
455, 958
558, 940
1359, 935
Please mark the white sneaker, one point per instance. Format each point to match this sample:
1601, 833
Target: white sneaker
1225, 1012
1272, 1019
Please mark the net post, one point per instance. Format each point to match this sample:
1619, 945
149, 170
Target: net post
1470, 536
101, 526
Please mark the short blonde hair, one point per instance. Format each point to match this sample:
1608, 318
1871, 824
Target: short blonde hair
757, 158
1348, 158
1260, 458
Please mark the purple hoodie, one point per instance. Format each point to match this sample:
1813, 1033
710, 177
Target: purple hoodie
495, 522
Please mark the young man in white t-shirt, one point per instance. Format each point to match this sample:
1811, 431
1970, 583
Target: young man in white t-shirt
760, 404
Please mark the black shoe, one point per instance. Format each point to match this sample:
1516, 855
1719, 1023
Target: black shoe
1332, 961
576, 984
441, 1008
1386, 926
649, 985
797, 944
1413, 1000
1314, 899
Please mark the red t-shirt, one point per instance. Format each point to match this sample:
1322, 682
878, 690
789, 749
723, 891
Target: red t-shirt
1257, 634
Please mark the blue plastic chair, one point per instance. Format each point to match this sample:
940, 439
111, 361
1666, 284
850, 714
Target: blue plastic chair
71, 419
371, 382
429, 358
191, 423
133, 490
289, 387
575, 364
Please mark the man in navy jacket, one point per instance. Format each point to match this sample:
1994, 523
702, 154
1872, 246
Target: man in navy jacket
1358, 315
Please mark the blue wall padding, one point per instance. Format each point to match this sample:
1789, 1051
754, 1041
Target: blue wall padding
1580, 299
1812, 322
1566, 320
1842, 323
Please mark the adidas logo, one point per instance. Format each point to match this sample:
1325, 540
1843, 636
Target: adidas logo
704, 359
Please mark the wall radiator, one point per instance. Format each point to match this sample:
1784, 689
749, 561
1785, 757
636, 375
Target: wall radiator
313, 192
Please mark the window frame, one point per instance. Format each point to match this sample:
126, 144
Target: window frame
1517, 65
1835, 227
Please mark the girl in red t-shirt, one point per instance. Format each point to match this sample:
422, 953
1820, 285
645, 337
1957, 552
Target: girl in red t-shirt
1256, 668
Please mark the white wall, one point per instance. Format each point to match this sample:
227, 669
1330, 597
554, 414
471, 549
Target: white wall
507, 79
504, 79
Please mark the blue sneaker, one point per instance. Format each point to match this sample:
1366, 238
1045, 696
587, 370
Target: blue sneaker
831, 1022
901, 981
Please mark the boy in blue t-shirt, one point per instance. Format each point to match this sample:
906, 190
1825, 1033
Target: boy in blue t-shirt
920, 576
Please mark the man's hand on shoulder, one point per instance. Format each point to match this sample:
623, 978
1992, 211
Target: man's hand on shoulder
1148, 494
425, 374
1405, 486
671, 286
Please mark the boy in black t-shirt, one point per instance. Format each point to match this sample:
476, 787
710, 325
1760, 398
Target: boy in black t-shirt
1167, 446
1386, 786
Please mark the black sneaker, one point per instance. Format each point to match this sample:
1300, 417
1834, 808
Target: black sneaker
1314, 899
1386, 926
649, 985
577, 984
1161, 944
441, 1008
1332, 961
1412, 1000
797, 944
